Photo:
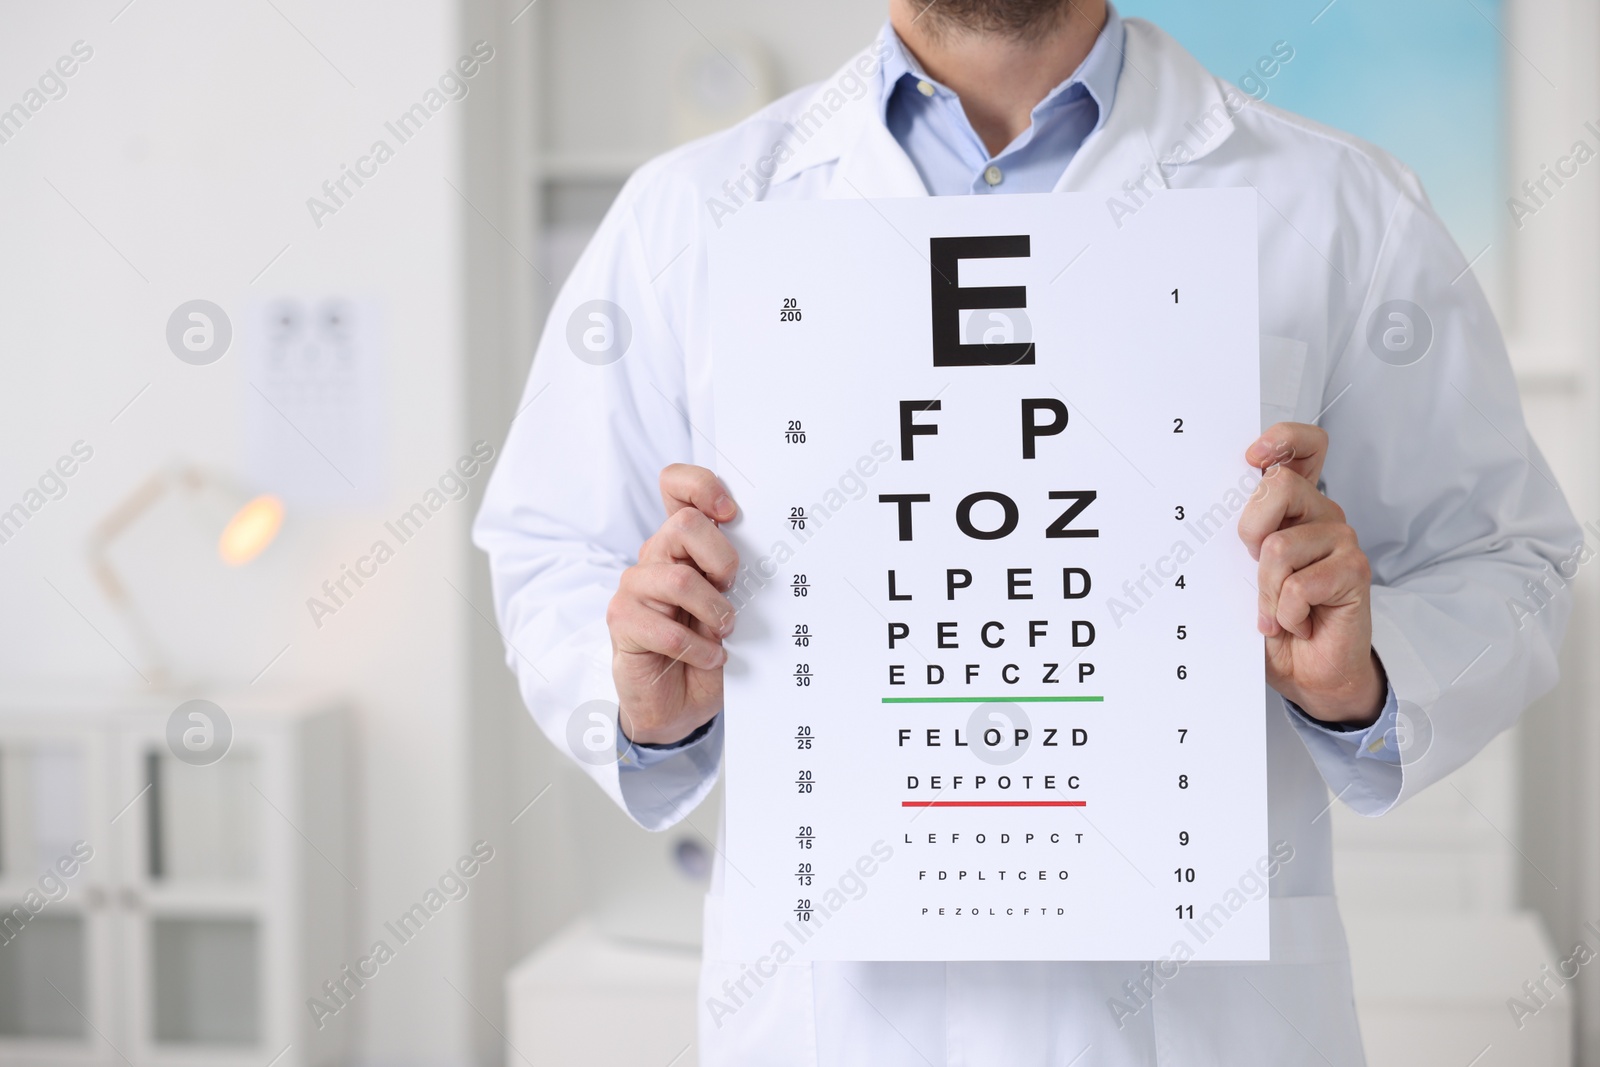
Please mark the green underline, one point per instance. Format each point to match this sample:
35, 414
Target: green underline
993, 700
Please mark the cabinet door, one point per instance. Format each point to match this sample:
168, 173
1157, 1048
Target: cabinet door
202, 910
56, 862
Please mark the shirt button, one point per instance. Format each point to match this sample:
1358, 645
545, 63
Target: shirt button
993, 175
925, 88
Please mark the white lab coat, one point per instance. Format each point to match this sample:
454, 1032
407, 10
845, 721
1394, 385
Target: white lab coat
1431, 462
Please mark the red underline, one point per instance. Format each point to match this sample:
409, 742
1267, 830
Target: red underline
993, 803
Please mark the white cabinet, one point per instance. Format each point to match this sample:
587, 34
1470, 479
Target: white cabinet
162, 905
585, 999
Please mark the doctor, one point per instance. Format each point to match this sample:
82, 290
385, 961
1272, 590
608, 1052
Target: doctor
1395, 542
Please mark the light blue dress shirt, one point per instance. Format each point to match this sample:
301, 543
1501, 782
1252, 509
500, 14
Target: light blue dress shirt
928, 121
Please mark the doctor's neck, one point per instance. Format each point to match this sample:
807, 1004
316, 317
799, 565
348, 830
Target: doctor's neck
1001, 57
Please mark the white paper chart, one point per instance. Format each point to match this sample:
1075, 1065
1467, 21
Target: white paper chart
995, 691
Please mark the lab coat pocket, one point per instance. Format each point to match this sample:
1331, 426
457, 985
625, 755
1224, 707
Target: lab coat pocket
1283, 364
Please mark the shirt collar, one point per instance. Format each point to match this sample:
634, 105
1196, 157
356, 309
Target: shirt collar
1097, 74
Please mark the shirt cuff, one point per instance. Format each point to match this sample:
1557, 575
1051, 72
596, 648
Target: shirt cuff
1380, 741
637, 756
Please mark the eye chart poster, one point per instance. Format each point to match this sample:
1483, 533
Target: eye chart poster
995, 687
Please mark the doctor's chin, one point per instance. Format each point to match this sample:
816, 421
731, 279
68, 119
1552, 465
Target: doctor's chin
984, 533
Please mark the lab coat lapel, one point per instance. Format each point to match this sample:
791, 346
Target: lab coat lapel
875, 167
1150, 135
868, 161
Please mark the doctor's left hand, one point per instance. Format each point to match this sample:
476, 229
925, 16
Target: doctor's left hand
1314, 581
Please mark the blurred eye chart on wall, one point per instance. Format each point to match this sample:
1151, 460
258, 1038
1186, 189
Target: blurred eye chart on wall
313, 403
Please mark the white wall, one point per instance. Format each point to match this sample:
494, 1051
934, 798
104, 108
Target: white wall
189, 144
1555, 327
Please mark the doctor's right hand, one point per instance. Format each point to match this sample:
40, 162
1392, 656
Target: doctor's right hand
669, 615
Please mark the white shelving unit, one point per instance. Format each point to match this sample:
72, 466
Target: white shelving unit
591, 128
176, 914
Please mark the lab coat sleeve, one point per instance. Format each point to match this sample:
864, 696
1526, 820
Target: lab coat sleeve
574, 497
1466, 529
